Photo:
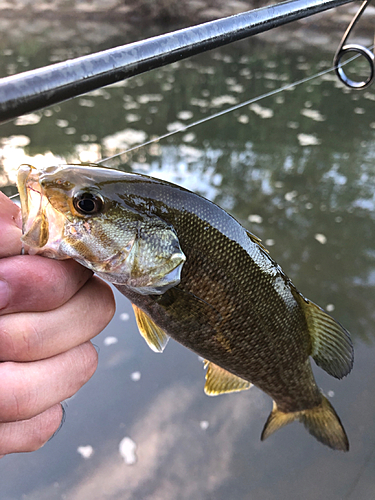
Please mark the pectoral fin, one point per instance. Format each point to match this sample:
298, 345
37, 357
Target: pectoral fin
153, 335
332, 348
220, 381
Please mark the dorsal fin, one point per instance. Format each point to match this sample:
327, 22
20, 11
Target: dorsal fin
332, 348
256, 240
220, 381
153, 335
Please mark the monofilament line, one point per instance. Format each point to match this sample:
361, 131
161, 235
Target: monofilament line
230, 109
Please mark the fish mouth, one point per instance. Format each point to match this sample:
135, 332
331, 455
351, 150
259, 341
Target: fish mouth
42, 225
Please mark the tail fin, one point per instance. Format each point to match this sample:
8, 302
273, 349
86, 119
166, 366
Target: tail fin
321, 421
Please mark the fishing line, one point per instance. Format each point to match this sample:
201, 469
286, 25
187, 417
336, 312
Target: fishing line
253, 100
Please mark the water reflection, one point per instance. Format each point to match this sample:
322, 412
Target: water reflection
297, 169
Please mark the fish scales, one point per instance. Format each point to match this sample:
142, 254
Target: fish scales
193, 273
240, 318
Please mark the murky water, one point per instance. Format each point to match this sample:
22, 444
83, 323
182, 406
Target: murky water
297, 169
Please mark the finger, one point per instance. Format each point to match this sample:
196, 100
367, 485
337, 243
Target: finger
10, 227
32, 434
34, 283
28, 389
34, 336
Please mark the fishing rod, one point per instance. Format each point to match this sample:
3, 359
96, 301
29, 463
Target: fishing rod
32, 90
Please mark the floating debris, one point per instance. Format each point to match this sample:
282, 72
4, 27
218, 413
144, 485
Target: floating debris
185, 115
189, 137
88, 137
292, 125
85, 451
124, 139
146, 98
313, 114
31, 119
110, 341
257, 219
174, 126
135, 376
308, 140
330, 307
243, 119
202, 103
86, 103
62, 123
290, 195
270, 242
132, 117
124, 316
237, 88
262, 112
127, 448
224, 99
204, 424
16, 141
321, 238
330, 394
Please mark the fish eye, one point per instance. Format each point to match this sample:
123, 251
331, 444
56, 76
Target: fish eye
88, 203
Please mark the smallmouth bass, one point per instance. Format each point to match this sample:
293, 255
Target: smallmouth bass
193, 273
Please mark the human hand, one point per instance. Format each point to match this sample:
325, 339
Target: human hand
49, 311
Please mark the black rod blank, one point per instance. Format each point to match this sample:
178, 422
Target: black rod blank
32, 90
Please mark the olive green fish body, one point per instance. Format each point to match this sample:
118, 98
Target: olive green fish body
238, 314
195, 274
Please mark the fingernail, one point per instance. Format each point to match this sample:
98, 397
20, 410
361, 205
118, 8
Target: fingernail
4, 294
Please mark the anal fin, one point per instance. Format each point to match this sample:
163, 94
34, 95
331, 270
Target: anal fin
220, 381
155, 337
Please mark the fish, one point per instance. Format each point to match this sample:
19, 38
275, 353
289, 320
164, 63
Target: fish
194, 273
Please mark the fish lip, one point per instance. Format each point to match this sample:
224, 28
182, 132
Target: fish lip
39, 236
30, 197
23, 180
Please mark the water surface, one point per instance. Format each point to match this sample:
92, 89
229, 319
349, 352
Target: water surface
297, 169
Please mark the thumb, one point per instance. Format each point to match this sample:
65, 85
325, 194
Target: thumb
10, 227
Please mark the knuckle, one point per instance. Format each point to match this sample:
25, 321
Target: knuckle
17, 400
99, 304
34, 444
109, 304
30, 435
44, 427
22, 344
89, 361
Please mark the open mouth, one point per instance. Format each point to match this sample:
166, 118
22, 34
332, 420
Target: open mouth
42, 225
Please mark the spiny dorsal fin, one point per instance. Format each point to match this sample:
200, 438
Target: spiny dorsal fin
332, 348
153, 335
256, 240
219, 381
